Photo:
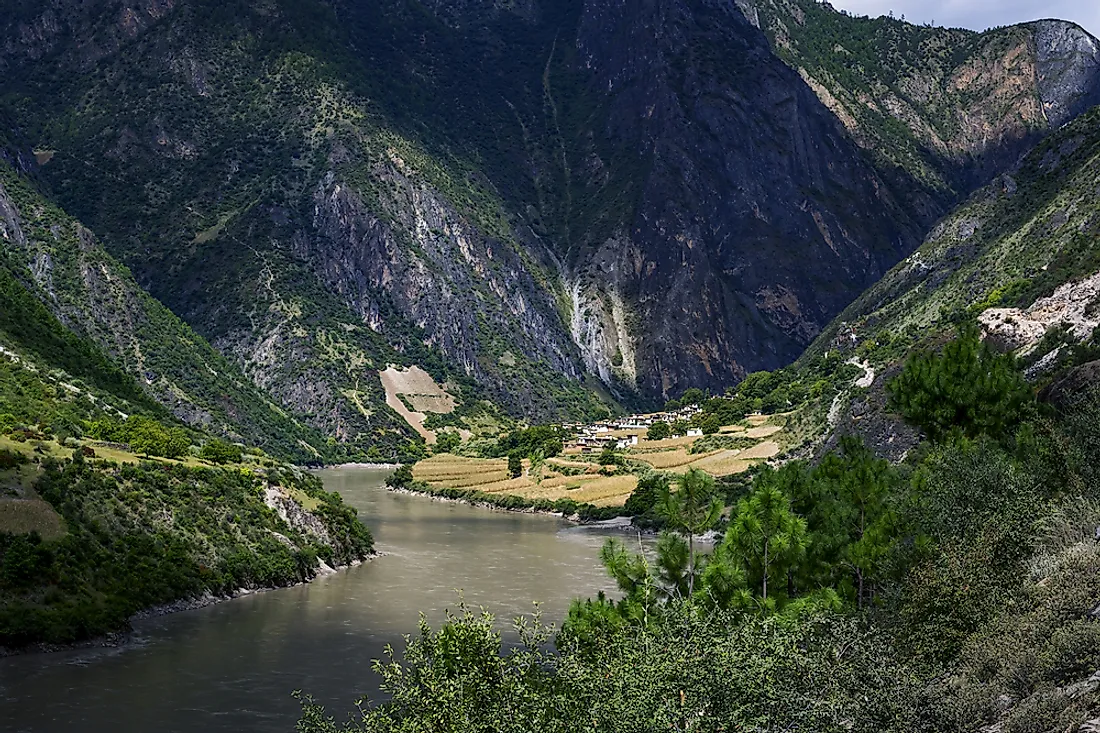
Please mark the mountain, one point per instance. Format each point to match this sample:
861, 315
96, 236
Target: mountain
92, 530
516, 197
1019, 257
950, 107
1020, 239
59, 261
305, 240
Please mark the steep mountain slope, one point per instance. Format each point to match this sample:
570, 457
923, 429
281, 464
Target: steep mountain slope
512, 195
267, 182
92, 532
51, 377
756, 216
1020, 256
1020, 238
62, 263
951, 107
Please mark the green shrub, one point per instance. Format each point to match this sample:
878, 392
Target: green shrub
968, 389
448, 442
220, 451
10, 459
401, 478
658, 431
682, 671
642, 504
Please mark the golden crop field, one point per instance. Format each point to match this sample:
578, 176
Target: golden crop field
673, 458
723, 463
491, 477
666, 444
551, 480
767, 449
566, 463
763, 431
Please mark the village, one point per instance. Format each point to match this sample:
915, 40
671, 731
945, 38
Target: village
601, 462
595, 437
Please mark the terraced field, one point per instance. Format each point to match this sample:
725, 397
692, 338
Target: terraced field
412, 393
556, 479
575, 475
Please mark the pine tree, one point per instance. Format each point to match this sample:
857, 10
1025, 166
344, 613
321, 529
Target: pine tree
766, 537
691, 510
968, 388
861, 488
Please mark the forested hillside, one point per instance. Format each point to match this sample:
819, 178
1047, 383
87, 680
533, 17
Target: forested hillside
109, 505
1020, 255
54, 260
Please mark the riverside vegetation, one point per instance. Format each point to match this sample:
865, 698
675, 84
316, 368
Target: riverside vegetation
955, 590
137, 536
104, 513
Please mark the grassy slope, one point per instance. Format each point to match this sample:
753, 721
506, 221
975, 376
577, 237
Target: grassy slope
86, 543
1008, 244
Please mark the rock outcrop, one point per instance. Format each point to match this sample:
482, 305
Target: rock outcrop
1074, 305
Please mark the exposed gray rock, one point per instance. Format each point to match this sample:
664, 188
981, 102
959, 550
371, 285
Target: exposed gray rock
1069, 69
1075, 305
295, 516
744, 171
867, 417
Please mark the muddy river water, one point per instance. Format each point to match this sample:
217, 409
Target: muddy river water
234, 665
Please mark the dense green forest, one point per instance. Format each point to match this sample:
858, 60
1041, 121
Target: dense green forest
954, 590
136, 536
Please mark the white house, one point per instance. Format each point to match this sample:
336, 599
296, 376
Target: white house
628, 441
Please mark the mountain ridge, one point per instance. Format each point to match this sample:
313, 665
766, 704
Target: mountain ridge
519, 197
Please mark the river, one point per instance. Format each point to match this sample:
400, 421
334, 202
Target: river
233, 666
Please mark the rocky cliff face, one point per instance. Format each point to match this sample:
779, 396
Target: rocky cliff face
757, 217
515, 194
96, 298
75, 33
1067, 69
951, 107
483, 301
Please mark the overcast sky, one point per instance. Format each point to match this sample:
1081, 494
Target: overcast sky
980, 14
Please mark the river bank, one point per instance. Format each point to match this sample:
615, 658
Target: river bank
123, 636
230, 667
371, 466
564, 508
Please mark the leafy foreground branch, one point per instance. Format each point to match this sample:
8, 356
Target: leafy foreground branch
692, 671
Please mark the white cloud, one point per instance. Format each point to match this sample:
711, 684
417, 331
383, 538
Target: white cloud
980, 14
